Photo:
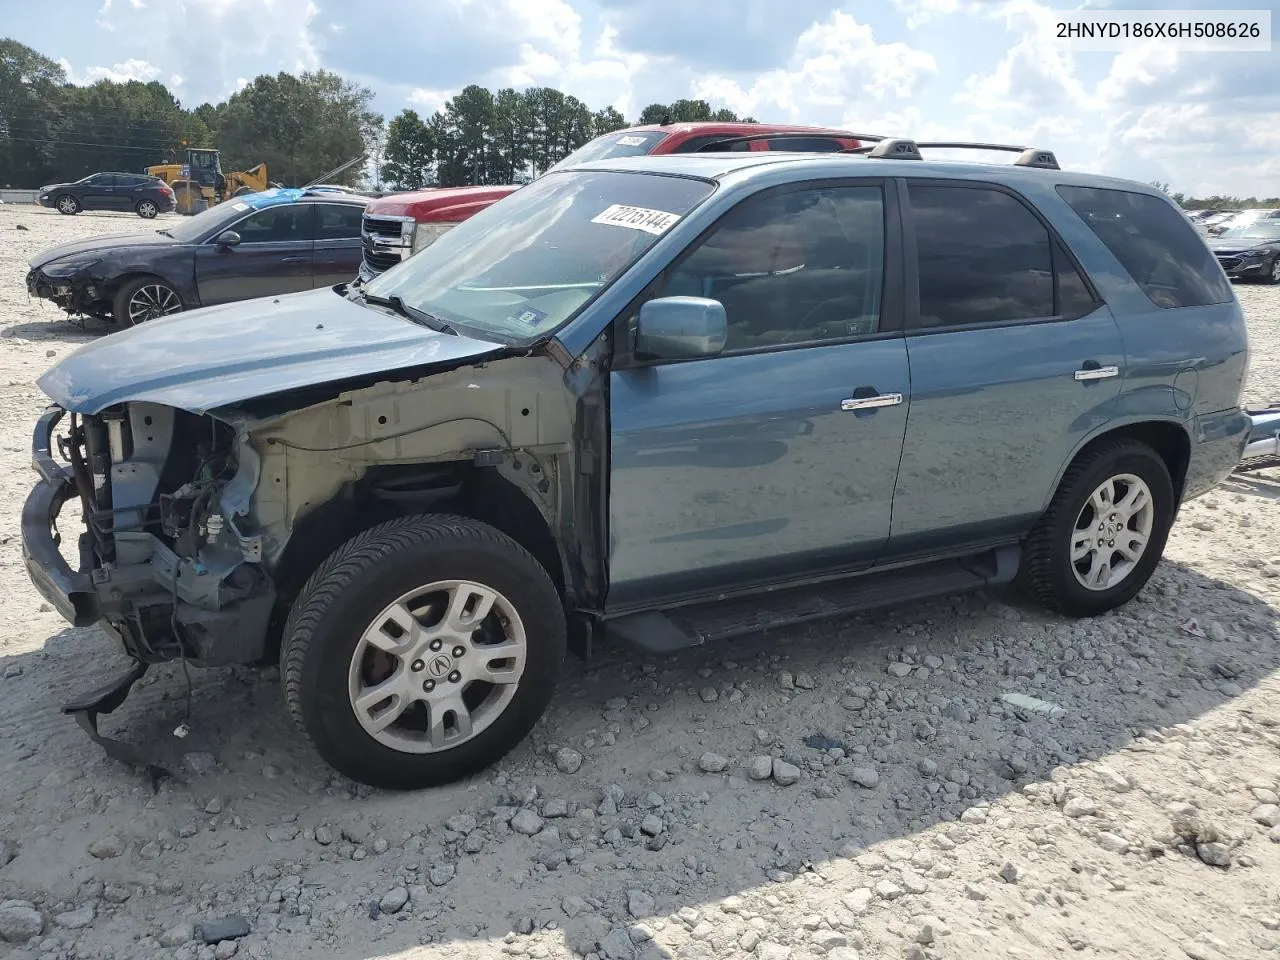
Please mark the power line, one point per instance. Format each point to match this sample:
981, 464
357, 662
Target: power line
81, 143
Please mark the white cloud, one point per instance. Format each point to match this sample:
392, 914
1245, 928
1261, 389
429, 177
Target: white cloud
835, 63
131, 69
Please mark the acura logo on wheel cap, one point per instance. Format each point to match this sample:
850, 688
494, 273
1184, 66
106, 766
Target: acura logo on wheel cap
439, 665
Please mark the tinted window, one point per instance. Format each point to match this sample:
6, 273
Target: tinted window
1155, 244
1075, 299
338, 222
983, 257
805, 144
792, 267
277, 224
99, 180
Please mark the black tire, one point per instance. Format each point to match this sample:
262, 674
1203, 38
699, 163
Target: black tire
67, 205
345, 595
1272, 276
146, 209
120, 304
1047, 573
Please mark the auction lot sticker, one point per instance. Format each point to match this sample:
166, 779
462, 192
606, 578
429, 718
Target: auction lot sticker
656, 222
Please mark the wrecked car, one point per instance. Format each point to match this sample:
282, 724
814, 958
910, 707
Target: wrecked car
665, 399
276, 241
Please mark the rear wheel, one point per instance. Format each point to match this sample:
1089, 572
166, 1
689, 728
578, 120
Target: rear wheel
1104, 532
147, 209
143, 299
67, 205
1273, 272
422, 651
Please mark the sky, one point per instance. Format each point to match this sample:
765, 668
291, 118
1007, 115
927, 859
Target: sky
976, 70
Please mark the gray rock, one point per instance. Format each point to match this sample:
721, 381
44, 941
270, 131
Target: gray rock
555, 808
214, 806
708, 694
927, 767
218, 929
1079, 807
926, 934
974, 815
394, 900
573, 906
8, 851
1009, 872
324, 836
785, 774
805, 682
786, 681
866, 777
1114, 780
859, 901
568, 760
768, 950
200, 763
760, 768
462, 823
651, 825
713, 763
1113, 843
974, 892
583, 934
640, 904
438, 874
178, 934
827, 940
617, 945
899, 670
12, 670
1267, 814
20, 921
888, 890
526, 822
108, 847
1215, 854
226, 950
76, 919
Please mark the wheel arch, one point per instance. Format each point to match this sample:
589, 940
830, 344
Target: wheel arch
1168, 437
140, 272
392, 491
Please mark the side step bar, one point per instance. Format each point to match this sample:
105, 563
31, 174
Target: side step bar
670, 630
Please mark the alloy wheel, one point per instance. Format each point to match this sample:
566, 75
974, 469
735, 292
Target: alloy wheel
1112, 532
151, 301
437, 666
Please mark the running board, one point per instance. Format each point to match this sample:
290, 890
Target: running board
675, 629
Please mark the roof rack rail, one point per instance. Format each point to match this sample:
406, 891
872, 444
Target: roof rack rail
797, 135
910, 150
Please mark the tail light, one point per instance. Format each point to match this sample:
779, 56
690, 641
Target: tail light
166, 189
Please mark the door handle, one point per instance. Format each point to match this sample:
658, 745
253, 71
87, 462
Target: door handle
293, 259
871, 403
1096, 372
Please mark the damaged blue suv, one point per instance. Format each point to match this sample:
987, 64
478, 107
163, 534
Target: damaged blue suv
666, 399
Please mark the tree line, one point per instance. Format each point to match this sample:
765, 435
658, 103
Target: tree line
301, 126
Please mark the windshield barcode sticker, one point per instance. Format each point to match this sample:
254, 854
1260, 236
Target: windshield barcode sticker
631, 141
656, 222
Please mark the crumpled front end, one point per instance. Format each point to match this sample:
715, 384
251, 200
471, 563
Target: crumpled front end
163, 555
79, 295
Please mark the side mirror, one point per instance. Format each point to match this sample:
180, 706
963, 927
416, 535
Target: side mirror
681, 328
228, 238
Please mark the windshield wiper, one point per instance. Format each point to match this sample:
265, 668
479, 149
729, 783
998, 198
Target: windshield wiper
420, 317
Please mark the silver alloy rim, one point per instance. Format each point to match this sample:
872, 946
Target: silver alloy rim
153, 300
437, 666
1112, 532
147, 209
1275, 271
67, 205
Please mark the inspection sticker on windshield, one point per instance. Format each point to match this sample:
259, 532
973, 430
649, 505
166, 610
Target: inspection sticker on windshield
631, 141
656, 222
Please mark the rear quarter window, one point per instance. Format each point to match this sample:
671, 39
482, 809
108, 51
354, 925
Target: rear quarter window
1156, 244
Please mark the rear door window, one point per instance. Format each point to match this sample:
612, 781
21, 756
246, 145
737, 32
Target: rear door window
338, 221
1155, 243
282, 224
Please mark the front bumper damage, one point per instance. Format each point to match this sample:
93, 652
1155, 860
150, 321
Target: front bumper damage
202, 598
78, 295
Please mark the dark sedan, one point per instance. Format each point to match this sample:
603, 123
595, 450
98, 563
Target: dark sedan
258, 245
1250, 251
136, 192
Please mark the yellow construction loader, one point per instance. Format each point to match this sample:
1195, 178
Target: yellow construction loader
199, 183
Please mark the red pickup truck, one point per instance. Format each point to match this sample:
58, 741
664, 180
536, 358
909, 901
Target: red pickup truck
398, 226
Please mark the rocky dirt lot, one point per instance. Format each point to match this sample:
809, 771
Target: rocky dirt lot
854, 789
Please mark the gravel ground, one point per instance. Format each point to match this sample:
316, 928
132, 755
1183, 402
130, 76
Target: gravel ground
853, 789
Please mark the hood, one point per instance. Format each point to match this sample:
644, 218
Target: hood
217, 356
442, 205
109, 241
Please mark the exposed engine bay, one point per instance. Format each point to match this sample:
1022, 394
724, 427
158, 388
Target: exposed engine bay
165, 496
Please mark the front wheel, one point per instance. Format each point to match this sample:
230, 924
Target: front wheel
422, 651
68, 205
143, 299
1104, 532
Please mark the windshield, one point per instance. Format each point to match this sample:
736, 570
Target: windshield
1258, 230
620, 143
528, 263
191, 229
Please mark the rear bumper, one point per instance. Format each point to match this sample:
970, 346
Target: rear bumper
70, 591
1218, 442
